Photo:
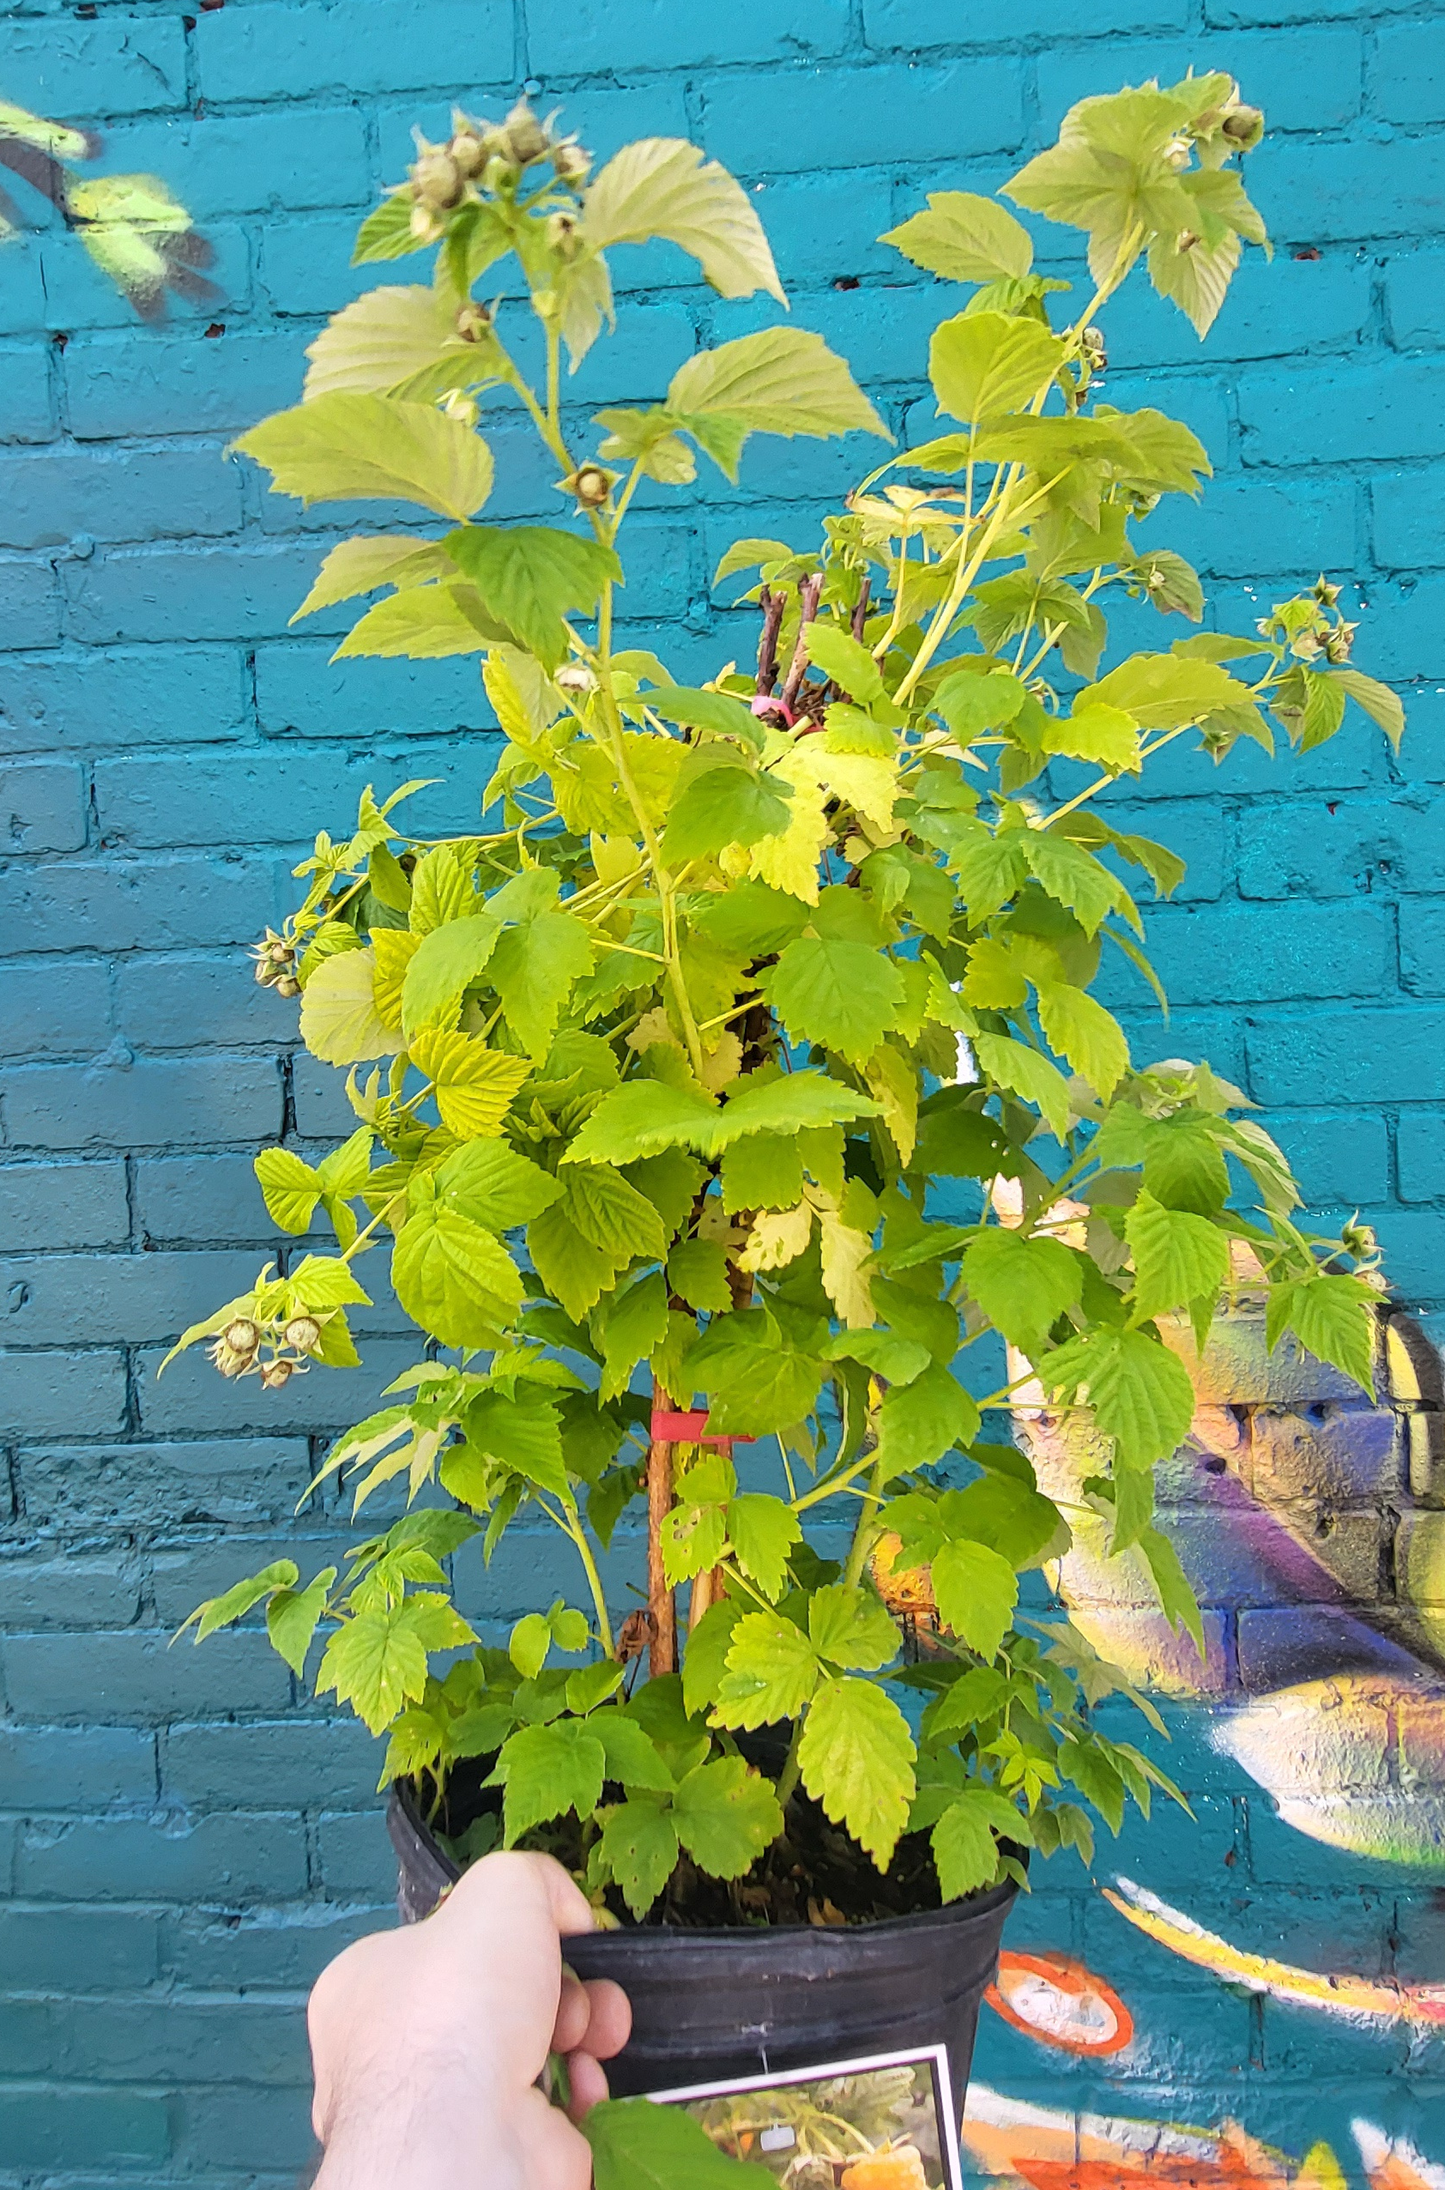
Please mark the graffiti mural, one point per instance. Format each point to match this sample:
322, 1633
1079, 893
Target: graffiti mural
1311, 1522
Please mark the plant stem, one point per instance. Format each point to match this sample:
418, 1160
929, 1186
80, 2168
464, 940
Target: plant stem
594, 1580
792, 1771
866, 1532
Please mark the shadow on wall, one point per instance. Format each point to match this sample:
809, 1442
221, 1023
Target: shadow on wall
132, 227
1310, 1519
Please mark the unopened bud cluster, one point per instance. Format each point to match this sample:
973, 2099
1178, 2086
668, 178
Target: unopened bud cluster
273, 1351
1312, 626
486, 156
275, 962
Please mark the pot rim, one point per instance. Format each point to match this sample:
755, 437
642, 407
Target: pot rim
676, 1937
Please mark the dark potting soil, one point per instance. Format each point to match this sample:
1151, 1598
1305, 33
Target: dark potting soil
812, 1874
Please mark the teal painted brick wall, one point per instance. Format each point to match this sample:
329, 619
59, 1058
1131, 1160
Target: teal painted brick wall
184, 1837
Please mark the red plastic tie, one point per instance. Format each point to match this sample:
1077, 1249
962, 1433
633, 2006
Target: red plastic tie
675, 1428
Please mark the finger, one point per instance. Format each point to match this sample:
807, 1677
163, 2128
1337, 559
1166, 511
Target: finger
588, 2081
574, 2014
609, 2024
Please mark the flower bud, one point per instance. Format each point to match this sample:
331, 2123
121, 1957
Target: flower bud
228, 1361
276, 1373
243, 1336
469, 151
426, 224
303, 1334
1326, 594
461, 407
288, 986
1339, 643
591, 485
1243, 126
1176, 153
473, 322
562, 234
571, 163
525, 136
576, 678
436, 178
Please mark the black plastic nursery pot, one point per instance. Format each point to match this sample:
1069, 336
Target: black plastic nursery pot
744, 2001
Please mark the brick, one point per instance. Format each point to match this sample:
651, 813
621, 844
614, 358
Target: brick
97, 1950
272, 51
274, 785
828, 224
1342, 847
297, 1764
80, 296
74, 1592
63, 1018
1197, 830
1402, 505
147, 1104
1408, 639
1275, 308
177, 384
1337, 1156
1342, 193
356, 1856
269, 1946
49, 2126
916, 25
146, 696
1315, 1057
299, 690
202, 1482
183, 1003
1324, 95
1240, 954
224, 163
199, 1198
22, 300
1412, 1240
168, 1856
320, 1099
1407, 74
183, 1574
197, 593
27, 408
58, 1394
157, 903
1240, 527
43, 807
1420, 1155
1415, 300
576, 41
262, 2042
786, 121
48, 498
222, 2125
134, 1679
64, 1204
75, 1768
122, 64
1381, 410
32, 603
100, 1299
306, 264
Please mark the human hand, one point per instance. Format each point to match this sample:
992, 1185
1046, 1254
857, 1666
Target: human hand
427, 2042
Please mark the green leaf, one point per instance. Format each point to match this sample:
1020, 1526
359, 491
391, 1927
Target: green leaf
423, 623
1178, 1257
781, 380
1140, 1393
726, 805
1334, 1318
919, 1422
442, 887
1378, 701
1177, 1599
377, 1660
964, 238
639, 1120
757, 1383
1022, 1285
850, 665
705, 1656
386, 232
857, 1756
763, 1171
489, 1183
342, 447
632, 1755
291, 1188
717, 712
453, 1278
964, 1847
839, 995
976, 1591
545, 1772
1073, 877
600, 1225
763, 1531
1077, 1027
473, 1085
639, 1847
339, 1022
239, 1599
1102, 734
982, 363
850, 1628
382, 339
445, 962
1024, 1072
1164, 691
726, 1814
533, 968
381, 559
292, 1617
772, 1670
663, 186
697, 1270
532, 576
634, 1325
529, 1644
639, 2146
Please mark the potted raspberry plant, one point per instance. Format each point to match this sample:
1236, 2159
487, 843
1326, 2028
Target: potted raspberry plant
656, 1076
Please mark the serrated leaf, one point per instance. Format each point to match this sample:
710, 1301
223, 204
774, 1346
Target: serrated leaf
639, 2146
547, 1771
423, 623
1024, 1072
339, 1020
837, 994
239, 1599
663, 186
632, 1756
763, 1532
473, 1085
532, 577
718, 712
697, 1270
984, 363
453, 1278
445, 961
489, 1183
361, 565
386, 232
1378, 701
728, 805
857, 1755
1098, 733
772, 1670
850, 665
1022, 1285
964, 1847
290, 1186
706, 1654
533, 968
380, 340
782, 380
346, 446
1334, 1318
964, 237
919, 1422
1074, 878
1165, 691
634, 1325
725, 1815
1080, 1029
762, 1171
849, 1627
1178, 1257
1139, 1392
976, 1590
377, 1660
757, 1383
639, 1847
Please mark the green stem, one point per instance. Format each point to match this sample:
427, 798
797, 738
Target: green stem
865, 1534
792, 1771
594, 1580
